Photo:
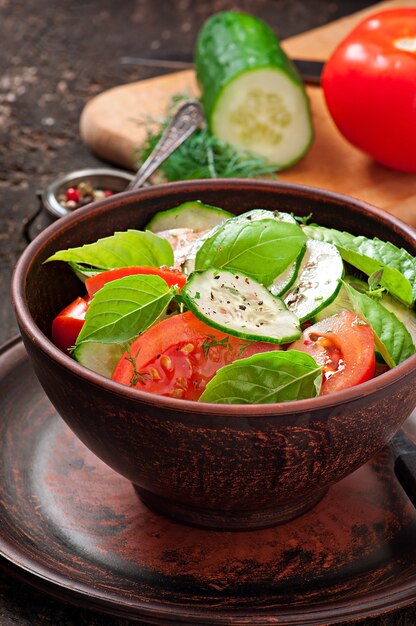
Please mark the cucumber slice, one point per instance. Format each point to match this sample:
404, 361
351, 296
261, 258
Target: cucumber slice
188, 265
182, 241
318, 281
99, 357
238, 305
195, 215
252, 94
340, 303
285, 280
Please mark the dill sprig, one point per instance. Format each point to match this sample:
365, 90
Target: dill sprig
210, 342
203, 155
137, 377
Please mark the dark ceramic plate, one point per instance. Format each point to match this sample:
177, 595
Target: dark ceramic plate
73, 527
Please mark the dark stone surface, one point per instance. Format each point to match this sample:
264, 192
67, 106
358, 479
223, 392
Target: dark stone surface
54, 56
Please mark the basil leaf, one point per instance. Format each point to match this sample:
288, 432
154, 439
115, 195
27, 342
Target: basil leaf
392, 338
266, 377
260, 249
123, 249
371, 255
124, 308
84, 272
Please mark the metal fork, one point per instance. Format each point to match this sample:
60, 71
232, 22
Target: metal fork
186, 120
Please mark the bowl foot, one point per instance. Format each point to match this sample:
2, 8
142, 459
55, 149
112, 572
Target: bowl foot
229, 520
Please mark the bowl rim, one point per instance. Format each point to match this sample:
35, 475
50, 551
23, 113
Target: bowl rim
43, 343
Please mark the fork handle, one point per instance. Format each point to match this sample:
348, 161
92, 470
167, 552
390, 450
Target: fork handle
186, 120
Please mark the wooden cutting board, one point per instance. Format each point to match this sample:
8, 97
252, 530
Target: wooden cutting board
113, 126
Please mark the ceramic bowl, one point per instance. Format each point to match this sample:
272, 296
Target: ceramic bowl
217, 466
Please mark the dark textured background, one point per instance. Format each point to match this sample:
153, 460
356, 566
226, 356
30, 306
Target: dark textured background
54, 56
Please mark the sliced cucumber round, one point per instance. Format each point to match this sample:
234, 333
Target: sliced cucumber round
252, 94
195, 215
238, 305
318, 281
285, 280
188, 266
99, 357
182, 241
340, 303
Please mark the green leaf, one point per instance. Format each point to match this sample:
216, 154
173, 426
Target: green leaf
392, 338
372, 255
124, 308
261, 249
266, 377
392, 279
123, 249
83, 272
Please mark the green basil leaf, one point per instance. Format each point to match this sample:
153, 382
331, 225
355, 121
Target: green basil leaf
391, 278
372, 255
124, 308
83, 272
266, 377
260, 249
392, 338
123, 249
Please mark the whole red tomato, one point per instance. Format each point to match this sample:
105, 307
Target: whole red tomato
369, 84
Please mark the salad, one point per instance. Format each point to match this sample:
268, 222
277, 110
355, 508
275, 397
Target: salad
262, 307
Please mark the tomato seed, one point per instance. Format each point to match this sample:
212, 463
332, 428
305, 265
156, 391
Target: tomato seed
166, 363
154, 373
182, 382
188, 348
177, 393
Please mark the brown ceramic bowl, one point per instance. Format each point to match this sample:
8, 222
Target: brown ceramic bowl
218, 466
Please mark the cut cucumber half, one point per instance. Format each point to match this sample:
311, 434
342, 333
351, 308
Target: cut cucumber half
318, 281
101, 358
195, 215
252, 94
238, 305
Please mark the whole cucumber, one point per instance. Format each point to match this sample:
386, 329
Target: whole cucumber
251, 92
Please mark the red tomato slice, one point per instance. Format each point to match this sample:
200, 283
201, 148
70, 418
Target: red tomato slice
344, 346
68, 323
179, 355
172, 277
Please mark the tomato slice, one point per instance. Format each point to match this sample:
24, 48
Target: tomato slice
344, 345
171, 276
179, 355
68, 323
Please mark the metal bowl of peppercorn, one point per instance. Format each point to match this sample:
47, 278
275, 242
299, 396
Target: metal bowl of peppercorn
79, 188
